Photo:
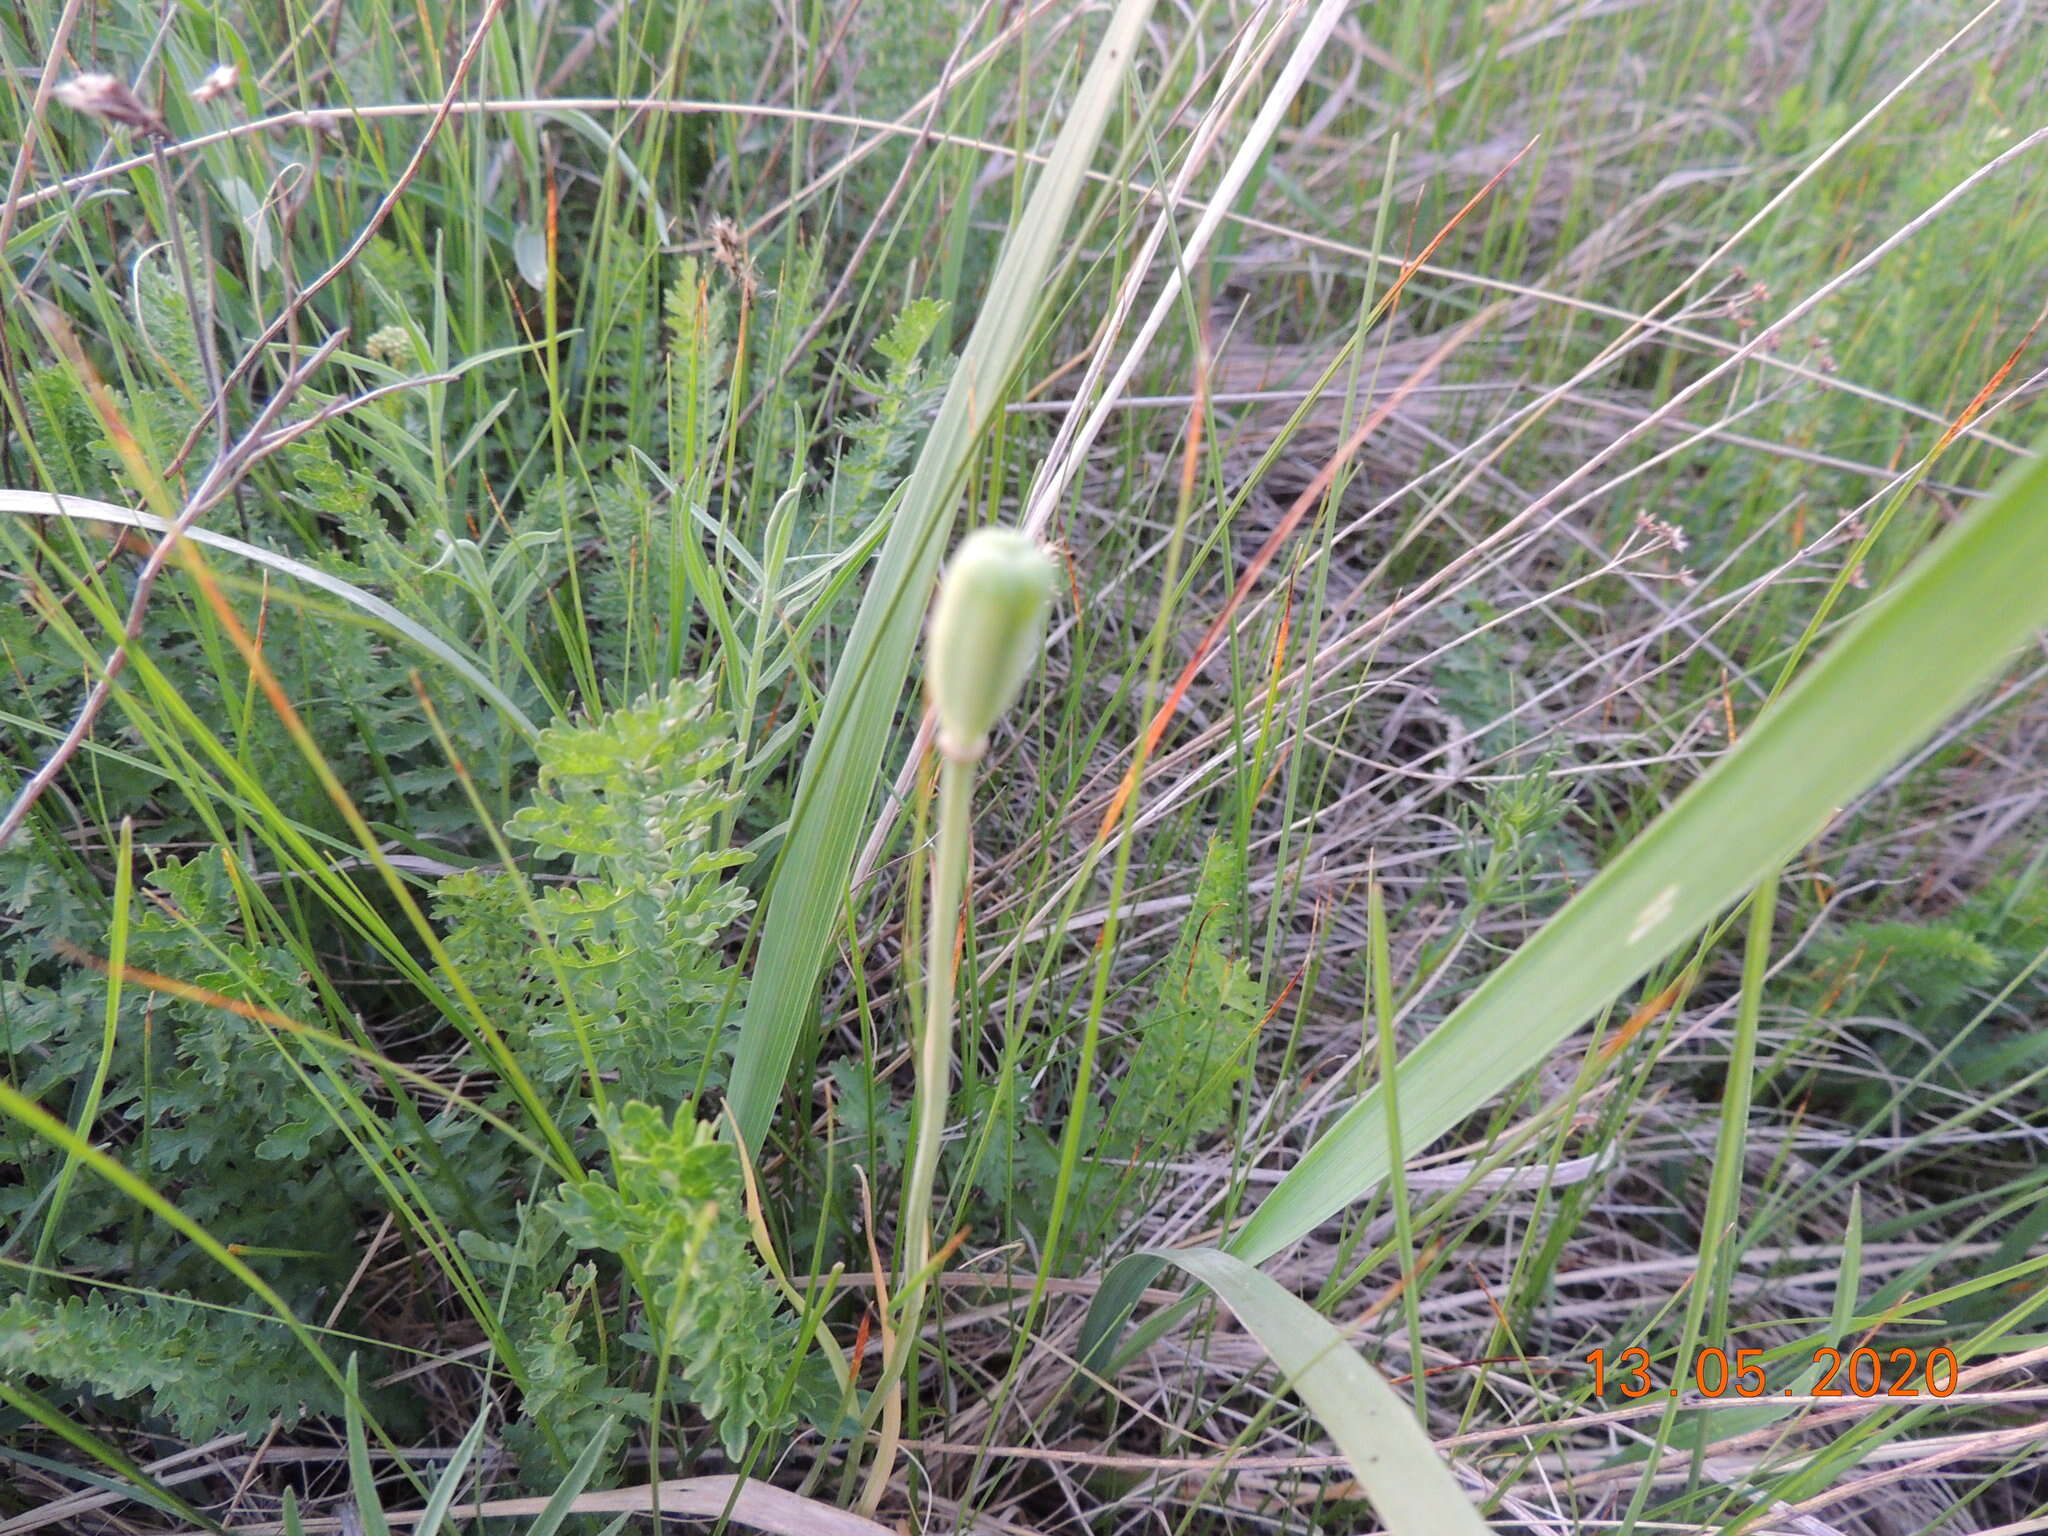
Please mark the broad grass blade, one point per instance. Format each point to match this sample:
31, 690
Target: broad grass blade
1910, 659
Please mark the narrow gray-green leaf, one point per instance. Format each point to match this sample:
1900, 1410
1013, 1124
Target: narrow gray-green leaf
362, 1480
449, 1483
562, 1503
1411, 1490
837, 783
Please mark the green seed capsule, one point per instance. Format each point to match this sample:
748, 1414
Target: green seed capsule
985, 633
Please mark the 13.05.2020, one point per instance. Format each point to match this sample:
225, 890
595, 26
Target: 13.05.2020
1862, 1372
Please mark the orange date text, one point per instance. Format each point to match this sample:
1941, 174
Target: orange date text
1632, 1373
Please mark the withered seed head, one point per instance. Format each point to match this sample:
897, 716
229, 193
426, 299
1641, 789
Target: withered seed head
729, 249
109, 98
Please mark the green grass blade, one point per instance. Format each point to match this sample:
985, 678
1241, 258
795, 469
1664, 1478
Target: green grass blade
450, 1481
17, 1106
1909, 660
1704, 1427
1379, 947
130, 1481
117, 965
43, 504
563, 1500
838, 779
1718, 1238
362, 1479
1374, 1426
1849, 1284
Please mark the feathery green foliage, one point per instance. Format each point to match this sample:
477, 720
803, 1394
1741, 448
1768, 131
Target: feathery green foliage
1189, 1050
208, 1370
672, 1211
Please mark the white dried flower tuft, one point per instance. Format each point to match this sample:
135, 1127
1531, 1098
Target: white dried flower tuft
109, 98
222, 79
1663, 532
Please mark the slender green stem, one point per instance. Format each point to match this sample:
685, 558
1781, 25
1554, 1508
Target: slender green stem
1724, 1185
117, 965
934, 1085
935, 1051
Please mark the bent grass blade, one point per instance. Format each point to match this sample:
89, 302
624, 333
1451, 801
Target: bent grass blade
85, 509
1374, 1426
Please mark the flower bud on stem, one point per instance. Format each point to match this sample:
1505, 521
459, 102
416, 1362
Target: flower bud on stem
986, 630
985, 634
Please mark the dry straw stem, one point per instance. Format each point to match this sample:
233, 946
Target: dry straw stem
1545, 512
84, 509
1756, 350
742, 1501
25, 153
1077, 433
1053, 912
884, 130
214, 486
251, 446
236, 458
442, 111
1641, 323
